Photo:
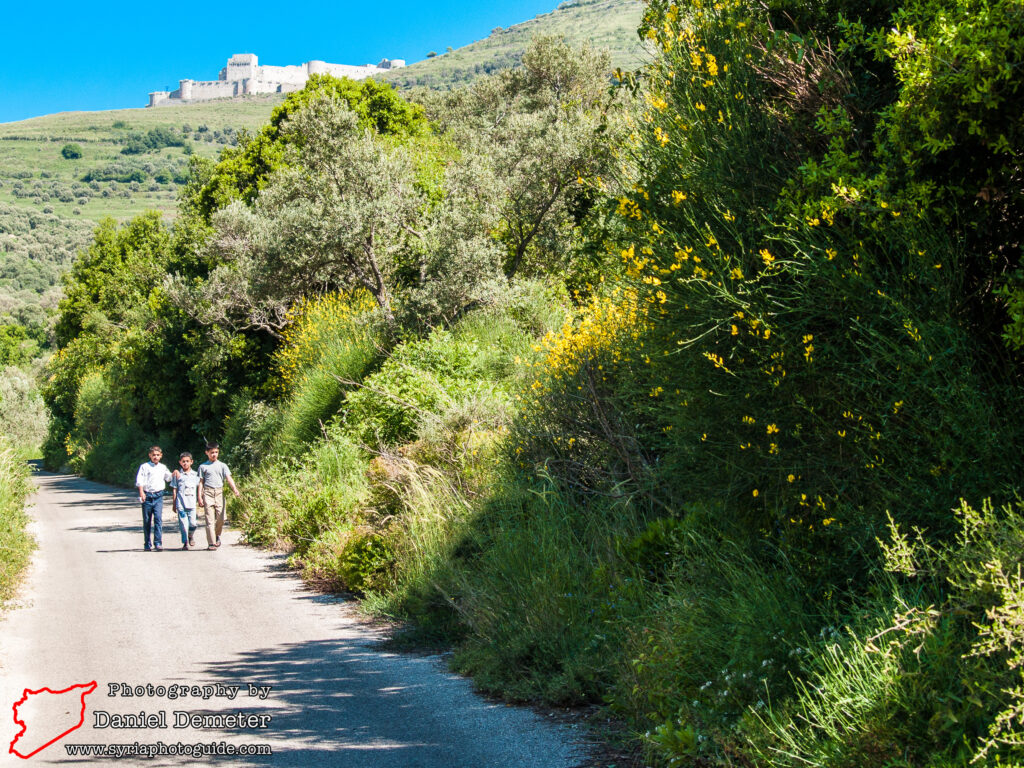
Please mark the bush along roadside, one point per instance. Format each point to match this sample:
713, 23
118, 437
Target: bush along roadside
16, 544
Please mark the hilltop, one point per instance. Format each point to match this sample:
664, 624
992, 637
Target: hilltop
607, 24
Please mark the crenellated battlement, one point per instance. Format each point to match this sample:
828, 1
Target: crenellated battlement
244, 75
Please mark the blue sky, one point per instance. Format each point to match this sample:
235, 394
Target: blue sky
60, 56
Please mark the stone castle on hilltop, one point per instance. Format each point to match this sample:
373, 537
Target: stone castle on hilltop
244, 75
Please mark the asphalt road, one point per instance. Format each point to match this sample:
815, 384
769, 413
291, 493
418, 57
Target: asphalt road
96, 607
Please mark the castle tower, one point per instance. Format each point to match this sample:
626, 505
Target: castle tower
317, 67
242, 66
185, 89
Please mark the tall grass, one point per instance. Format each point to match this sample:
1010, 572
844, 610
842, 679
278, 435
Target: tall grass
331, 345
16, 544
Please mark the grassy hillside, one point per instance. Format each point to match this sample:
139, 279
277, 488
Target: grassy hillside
49, 204
33, 172
608, 24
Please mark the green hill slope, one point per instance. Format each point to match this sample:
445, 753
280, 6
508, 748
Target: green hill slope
608, 24
49, 204
35, 175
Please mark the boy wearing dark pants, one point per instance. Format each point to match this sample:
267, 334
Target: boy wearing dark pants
186, 486
213, 474
150, 480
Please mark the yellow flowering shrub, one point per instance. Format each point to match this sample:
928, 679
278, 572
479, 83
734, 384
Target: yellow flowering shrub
331, 343
316, 325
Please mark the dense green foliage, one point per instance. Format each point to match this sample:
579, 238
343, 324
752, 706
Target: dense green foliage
152, 141
241, 172
686, 398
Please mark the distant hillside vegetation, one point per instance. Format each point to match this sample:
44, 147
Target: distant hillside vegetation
35, 248
60, 174
607, 24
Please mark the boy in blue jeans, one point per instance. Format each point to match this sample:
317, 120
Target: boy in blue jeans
185, 484
150, 481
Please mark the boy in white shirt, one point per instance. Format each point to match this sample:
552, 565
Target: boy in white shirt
186, 485
150, 481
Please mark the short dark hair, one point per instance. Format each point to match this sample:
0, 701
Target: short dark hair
155, 448
183, 454
212, 446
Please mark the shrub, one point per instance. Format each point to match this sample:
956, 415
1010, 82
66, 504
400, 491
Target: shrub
71, 152
15, 542
304, 498
411, 387
933, 672
23, 419
331, 344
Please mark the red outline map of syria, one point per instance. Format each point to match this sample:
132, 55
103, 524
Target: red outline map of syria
85, 688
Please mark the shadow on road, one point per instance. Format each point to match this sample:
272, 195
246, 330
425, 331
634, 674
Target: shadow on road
349, 705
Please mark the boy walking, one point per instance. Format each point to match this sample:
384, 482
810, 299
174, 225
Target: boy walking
212, 476
186, 486
151, 480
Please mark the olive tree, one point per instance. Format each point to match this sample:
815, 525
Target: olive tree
348, 211
542, 128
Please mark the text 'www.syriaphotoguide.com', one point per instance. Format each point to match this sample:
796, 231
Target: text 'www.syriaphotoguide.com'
160, 749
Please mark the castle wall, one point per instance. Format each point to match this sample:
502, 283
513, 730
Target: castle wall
213, 89
262, 86
290, 74
244, 75
348, 70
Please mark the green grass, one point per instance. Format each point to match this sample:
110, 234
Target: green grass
606, 24
15, 542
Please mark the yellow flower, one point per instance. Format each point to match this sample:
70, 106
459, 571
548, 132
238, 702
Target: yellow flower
772, 429
678, 197
755, 493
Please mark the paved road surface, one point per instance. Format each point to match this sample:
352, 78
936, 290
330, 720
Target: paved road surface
96, 607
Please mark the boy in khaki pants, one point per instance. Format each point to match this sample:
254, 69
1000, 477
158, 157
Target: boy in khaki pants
212, 476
